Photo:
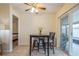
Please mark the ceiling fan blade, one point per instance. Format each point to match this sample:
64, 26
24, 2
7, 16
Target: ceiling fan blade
30, 4
27, 9
27, 4
42, 8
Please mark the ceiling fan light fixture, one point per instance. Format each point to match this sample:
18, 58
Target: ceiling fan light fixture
36, 10
33, 9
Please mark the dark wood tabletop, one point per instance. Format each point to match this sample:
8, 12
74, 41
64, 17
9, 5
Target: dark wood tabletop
39, 35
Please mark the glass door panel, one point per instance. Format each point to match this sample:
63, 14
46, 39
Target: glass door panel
64, 40
75, 32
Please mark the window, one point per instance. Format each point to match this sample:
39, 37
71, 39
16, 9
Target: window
76, 31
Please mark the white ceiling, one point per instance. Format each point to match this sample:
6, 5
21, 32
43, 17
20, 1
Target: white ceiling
50, 7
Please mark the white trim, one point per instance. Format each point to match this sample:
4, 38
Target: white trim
10, 43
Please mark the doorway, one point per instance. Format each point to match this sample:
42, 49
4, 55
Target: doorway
15, 31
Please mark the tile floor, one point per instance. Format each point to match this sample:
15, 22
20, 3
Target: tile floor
24, 51
18, 51
58, 52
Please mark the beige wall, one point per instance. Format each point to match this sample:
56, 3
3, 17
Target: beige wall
4, 13
29, 24
65, 8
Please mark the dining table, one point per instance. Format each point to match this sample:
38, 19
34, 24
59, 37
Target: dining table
38, 36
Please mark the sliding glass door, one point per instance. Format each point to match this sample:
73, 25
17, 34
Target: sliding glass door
75, 31
69, 32
64, 42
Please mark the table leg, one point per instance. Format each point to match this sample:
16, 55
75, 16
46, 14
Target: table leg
1, 49
48, 47
30, 45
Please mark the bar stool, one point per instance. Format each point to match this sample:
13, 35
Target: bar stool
1, 48
39, 44
36, 44
51, 41
42, 44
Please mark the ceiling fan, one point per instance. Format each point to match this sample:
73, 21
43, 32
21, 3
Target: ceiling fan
35, 7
